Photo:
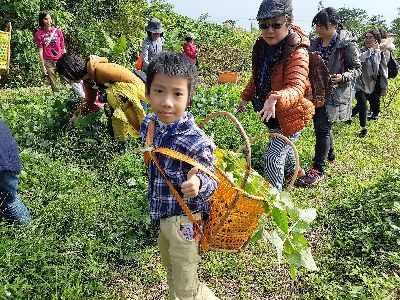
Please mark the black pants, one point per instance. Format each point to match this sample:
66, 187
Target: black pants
323, 139
361, 106
375, 98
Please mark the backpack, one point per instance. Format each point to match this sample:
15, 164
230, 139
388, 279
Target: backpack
393, 67
320, 80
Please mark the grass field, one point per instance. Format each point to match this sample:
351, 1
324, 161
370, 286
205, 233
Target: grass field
91, 237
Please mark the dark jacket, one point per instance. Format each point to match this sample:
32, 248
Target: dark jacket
9, 158
345, 60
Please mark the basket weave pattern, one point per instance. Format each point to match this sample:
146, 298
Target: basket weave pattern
233, 218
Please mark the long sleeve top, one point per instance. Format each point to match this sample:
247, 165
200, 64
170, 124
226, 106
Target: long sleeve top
186, 137
9, 157
373, 63
190, 50
150, 49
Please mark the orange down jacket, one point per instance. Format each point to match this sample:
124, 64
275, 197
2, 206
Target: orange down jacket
289, 81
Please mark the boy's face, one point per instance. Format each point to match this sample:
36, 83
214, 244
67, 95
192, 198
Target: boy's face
168, 96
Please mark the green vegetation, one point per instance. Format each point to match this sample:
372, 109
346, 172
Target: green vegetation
92, 239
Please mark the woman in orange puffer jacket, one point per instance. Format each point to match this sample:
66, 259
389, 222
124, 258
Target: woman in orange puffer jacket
279, 85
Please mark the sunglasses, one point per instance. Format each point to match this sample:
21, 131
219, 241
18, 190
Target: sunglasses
273, 26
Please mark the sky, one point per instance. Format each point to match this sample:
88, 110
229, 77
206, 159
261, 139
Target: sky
303, 10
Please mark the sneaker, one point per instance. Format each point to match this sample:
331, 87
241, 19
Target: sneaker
363, 133
289, 176
372, 117
331, 159
313, 176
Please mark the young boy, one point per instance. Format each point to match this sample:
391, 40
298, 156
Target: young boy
170, 88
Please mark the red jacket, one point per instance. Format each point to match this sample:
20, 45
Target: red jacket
289, 80
190, 50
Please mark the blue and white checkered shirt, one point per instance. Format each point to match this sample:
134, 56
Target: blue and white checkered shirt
186, 137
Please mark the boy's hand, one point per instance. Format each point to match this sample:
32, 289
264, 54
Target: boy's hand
190, 188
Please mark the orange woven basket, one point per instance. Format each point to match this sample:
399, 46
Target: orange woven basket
235, 214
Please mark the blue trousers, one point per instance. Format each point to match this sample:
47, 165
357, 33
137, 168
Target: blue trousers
11, 206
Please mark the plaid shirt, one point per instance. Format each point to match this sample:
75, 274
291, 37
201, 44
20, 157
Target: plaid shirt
190, 140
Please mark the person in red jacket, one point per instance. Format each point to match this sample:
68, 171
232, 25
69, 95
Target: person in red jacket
190, 48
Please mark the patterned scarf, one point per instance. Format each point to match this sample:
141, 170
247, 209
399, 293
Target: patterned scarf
327, 51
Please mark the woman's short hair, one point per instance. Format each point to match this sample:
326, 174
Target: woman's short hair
326, 17
71, 66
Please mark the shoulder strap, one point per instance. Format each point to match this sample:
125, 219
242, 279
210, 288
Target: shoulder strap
151, 155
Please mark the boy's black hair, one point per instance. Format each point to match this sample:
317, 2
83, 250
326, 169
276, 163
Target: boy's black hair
376, 34
71, 66
188, 39
174, 64
42, 15
327, 16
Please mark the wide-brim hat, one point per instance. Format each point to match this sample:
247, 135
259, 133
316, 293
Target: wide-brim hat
154, 26
270, 9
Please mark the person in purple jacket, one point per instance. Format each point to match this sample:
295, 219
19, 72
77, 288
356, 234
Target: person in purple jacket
11, 206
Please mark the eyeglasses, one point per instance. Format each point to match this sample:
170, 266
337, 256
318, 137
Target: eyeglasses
274, 26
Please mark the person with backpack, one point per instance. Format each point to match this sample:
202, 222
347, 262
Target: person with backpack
153, 43
386, 47
279, 85
374, 72
339, 51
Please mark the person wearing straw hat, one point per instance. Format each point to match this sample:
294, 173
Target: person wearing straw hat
153, 43
190, 48
279, 85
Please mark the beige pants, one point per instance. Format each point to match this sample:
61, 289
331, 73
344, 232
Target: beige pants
50, 66
179, 253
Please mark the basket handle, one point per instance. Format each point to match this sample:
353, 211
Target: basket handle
242, 133
287, 141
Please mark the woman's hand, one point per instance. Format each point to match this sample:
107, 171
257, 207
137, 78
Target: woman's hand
268, 111
242, 106
383, 93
